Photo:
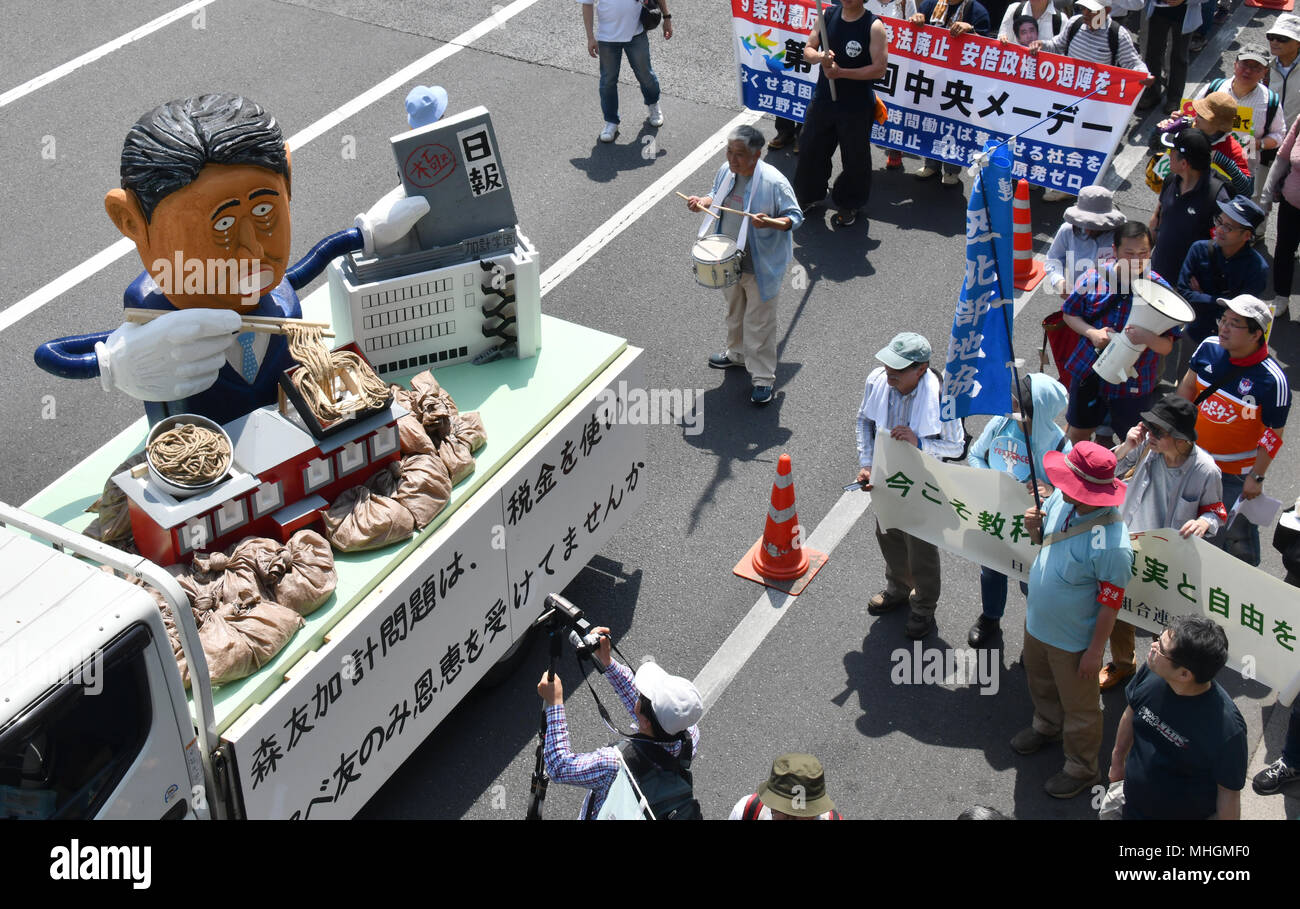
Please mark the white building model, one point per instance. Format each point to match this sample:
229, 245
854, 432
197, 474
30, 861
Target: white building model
473, 288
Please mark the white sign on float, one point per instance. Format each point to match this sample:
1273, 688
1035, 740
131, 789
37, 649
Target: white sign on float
558, 512
448, 613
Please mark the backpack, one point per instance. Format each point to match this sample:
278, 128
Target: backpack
1273, 101
1026, 10
664, 780
1112, 36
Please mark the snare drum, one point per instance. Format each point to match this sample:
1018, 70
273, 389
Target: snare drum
716, 261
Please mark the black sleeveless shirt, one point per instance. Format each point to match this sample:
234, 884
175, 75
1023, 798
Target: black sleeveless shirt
851, 42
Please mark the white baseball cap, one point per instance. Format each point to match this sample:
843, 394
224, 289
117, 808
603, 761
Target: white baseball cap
1250, 307
676, 702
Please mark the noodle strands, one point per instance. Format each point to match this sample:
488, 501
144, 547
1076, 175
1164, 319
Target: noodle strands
333, 383
190, 455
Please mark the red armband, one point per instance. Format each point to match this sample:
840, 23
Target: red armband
1216, 509
1270, 442
1110, 595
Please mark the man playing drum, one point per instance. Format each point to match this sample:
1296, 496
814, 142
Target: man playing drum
762, 234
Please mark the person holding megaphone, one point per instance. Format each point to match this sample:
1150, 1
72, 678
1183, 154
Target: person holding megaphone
1098, 311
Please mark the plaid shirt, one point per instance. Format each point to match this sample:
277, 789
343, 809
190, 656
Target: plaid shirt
596, 769
1101, 308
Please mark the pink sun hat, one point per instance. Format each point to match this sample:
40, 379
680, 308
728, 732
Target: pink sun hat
1086, 474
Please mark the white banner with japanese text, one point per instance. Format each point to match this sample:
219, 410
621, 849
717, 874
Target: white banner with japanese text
948, 96
979, 515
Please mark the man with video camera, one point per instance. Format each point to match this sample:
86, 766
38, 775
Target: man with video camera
665, 708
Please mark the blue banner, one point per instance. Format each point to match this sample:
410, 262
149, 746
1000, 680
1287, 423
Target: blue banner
976, 377
775, 92
1039, 161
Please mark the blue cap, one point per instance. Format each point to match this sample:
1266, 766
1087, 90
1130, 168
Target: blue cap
1244, 211
425, 104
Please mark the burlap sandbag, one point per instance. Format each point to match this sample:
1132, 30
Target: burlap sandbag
412, 437
242, 572
457, 449
239, 639
410, 431
430, 405
311, 577
424, 487
113, 524
265, 627
360, 519
432, 397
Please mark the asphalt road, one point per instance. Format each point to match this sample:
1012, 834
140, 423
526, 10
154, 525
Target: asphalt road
819, 681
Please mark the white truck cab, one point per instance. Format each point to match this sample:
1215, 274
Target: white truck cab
93, 719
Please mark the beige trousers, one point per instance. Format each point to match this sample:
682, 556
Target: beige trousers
751, 329
911, 569
1065, 703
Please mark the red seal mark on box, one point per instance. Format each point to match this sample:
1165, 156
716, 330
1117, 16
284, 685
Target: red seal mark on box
429, 165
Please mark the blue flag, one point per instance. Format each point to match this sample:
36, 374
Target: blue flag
976, 377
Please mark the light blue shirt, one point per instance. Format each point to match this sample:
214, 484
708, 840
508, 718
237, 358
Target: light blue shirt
1073, 252
771, 249
1063, 581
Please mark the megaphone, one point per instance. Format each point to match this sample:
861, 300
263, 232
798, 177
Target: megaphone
1155, 308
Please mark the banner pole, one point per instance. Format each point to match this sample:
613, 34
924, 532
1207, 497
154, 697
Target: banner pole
1006, 320
821, 30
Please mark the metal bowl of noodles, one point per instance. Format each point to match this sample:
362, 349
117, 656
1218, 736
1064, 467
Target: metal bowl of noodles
188, 454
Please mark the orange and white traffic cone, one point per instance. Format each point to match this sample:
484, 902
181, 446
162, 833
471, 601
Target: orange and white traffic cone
1029, 271
779, 559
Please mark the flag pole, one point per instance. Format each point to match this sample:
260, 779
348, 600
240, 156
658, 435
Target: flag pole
981, 161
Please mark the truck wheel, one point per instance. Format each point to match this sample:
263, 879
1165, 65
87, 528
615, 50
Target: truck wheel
510, 660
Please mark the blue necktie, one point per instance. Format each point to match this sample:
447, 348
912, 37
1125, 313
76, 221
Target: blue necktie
250, 361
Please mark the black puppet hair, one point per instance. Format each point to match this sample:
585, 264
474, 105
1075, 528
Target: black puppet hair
167, 147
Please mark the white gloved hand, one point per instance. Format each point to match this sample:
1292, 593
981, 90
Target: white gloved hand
384, 228
174, 356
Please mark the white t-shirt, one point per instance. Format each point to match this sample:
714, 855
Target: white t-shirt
890, 8
616, 20
1045, 31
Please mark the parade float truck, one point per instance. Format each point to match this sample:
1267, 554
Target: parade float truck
97, 718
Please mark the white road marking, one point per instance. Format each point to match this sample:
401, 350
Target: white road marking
649, 197
107, 256
102, 51
772, 606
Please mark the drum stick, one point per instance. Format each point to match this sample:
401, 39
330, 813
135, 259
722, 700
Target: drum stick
743, 214
705, 210
821, 30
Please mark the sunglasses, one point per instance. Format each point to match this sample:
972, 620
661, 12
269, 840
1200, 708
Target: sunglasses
1155, 431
